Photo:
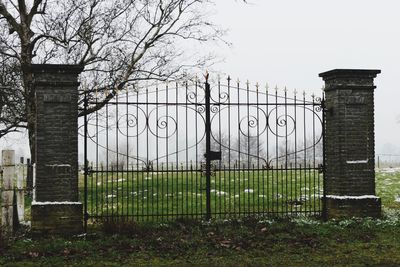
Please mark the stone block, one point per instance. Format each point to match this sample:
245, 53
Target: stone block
57, 218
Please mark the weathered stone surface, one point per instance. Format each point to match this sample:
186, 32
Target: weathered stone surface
350, 140
345, 208
60, 219
56, 177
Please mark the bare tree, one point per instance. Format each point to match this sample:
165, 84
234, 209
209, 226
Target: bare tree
12, 112
118, 42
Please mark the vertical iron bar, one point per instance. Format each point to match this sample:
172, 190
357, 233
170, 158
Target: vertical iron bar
187, 150
117, 146
295, 148
166, 147
248, 148
157, 155
305, 149
267, 130
220, 148
229, 147
324, 110
177, 148
86, 161
239, 147
127, 152
208, 149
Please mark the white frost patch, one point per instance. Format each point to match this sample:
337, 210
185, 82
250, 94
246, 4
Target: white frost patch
389, 170
99, 183
111, 196
261, 196
218, 193
169, 195
305, 189
119, 180
147, 178
352, 197
357, 161
58, 165
249, 190
55, 203
397, 199
236, 196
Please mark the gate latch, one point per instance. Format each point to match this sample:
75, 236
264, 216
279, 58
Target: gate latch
213, 155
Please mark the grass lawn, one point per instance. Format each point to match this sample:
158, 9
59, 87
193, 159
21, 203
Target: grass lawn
249, 242
245, 242
158, 196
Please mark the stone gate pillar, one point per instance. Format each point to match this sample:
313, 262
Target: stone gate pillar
350, 144
55, 206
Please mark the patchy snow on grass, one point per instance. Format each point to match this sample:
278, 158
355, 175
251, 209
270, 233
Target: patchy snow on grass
118, 180
218, 193
397, 199
249, 191
389, 170
111, 196
55, 203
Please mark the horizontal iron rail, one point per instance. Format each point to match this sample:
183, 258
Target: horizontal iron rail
259, 213
199, 170
212, 104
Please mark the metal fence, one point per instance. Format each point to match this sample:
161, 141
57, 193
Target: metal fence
203, 150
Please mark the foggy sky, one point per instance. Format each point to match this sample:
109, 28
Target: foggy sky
289, 42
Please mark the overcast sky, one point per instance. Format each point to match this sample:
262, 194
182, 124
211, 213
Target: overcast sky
289, 42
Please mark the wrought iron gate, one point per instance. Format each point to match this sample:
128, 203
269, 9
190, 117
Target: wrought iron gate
203, 150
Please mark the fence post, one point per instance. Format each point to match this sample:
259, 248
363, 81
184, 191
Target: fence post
7, 192
55, 207
20, 190
350, 144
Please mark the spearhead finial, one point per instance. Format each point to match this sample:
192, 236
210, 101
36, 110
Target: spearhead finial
276, 88
266, 87
206, 75
229, 78
257, 86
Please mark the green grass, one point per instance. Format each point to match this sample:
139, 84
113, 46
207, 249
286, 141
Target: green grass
388, 187
162, 195
249, 242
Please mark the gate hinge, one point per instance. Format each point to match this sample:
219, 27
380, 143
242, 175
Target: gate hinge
321, 168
